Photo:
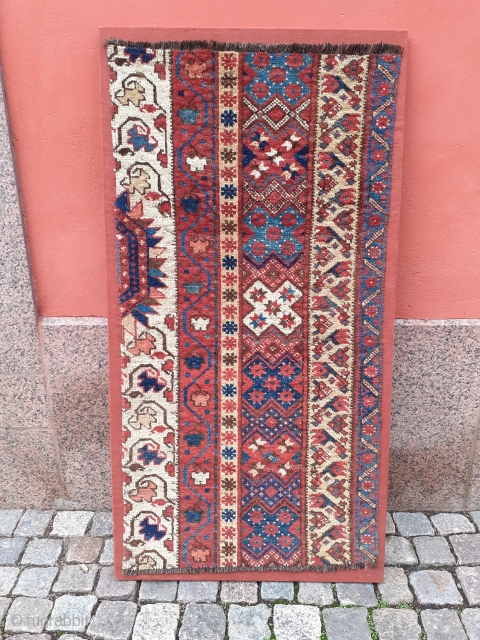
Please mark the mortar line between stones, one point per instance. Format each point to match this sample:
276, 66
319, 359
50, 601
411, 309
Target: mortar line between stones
471, 459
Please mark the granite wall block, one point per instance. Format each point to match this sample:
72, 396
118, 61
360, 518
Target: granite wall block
76, 361
436, 396
28, 469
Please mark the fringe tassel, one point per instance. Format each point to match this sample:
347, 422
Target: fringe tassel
325, 48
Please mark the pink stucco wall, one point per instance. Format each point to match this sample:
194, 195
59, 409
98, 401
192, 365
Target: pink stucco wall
49, 56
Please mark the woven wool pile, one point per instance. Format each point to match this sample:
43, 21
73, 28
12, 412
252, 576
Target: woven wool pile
251, 209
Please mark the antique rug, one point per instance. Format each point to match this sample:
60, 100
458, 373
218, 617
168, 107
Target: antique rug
251, 208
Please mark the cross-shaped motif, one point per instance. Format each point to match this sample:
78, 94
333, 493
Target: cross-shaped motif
272, 307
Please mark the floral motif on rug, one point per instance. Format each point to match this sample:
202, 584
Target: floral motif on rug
252, 200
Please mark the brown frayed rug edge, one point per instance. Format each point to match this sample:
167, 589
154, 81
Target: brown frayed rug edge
242, 569
323, 48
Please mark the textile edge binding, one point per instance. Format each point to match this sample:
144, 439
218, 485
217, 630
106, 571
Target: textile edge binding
326, 48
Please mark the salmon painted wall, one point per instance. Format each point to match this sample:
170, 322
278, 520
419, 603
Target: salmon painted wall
49, 56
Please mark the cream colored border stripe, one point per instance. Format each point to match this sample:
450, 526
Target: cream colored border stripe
322, 517
141, 96
229, 75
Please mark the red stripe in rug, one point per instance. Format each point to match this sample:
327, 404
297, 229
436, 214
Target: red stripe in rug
194, 186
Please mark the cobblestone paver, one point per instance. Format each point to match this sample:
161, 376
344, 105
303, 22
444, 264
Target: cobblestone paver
4, 605
28, 614
11, 550
358, 595
315, 593
57, 580
42, 552
413, 524
301, 621
394, 589
107, 553
39, 636
467, 548
113, 621
110, 589
71, 613
158, 591
249, 623
33, 523
442, 624
83, 549
8, 521
345, 624
8, 577
157, 621
471, 622
470, 580
390, 530
399, 551
71, 523
396, 624
272, 591
197, 591
203, 622
433, 551
233, 591
448, 523
35, 582
435, 587
102, 524
75, 578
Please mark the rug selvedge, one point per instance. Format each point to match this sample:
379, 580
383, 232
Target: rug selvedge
252, 209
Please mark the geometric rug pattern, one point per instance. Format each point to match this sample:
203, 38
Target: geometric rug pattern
252, 204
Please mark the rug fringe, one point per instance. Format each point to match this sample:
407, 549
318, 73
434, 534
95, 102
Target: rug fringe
241, 569
323, 48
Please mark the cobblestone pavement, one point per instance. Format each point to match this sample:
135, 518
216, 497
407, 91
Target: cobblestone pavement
56, 580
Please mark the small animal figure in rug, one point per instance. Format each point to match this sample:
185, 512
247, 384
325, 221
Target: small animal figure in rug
195, 68
138, 180
199, 323
135, 94
200, 554
196, 163
144, 416
200, 398
200, 477
144, 344
144, 491
170, 322
199, 244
